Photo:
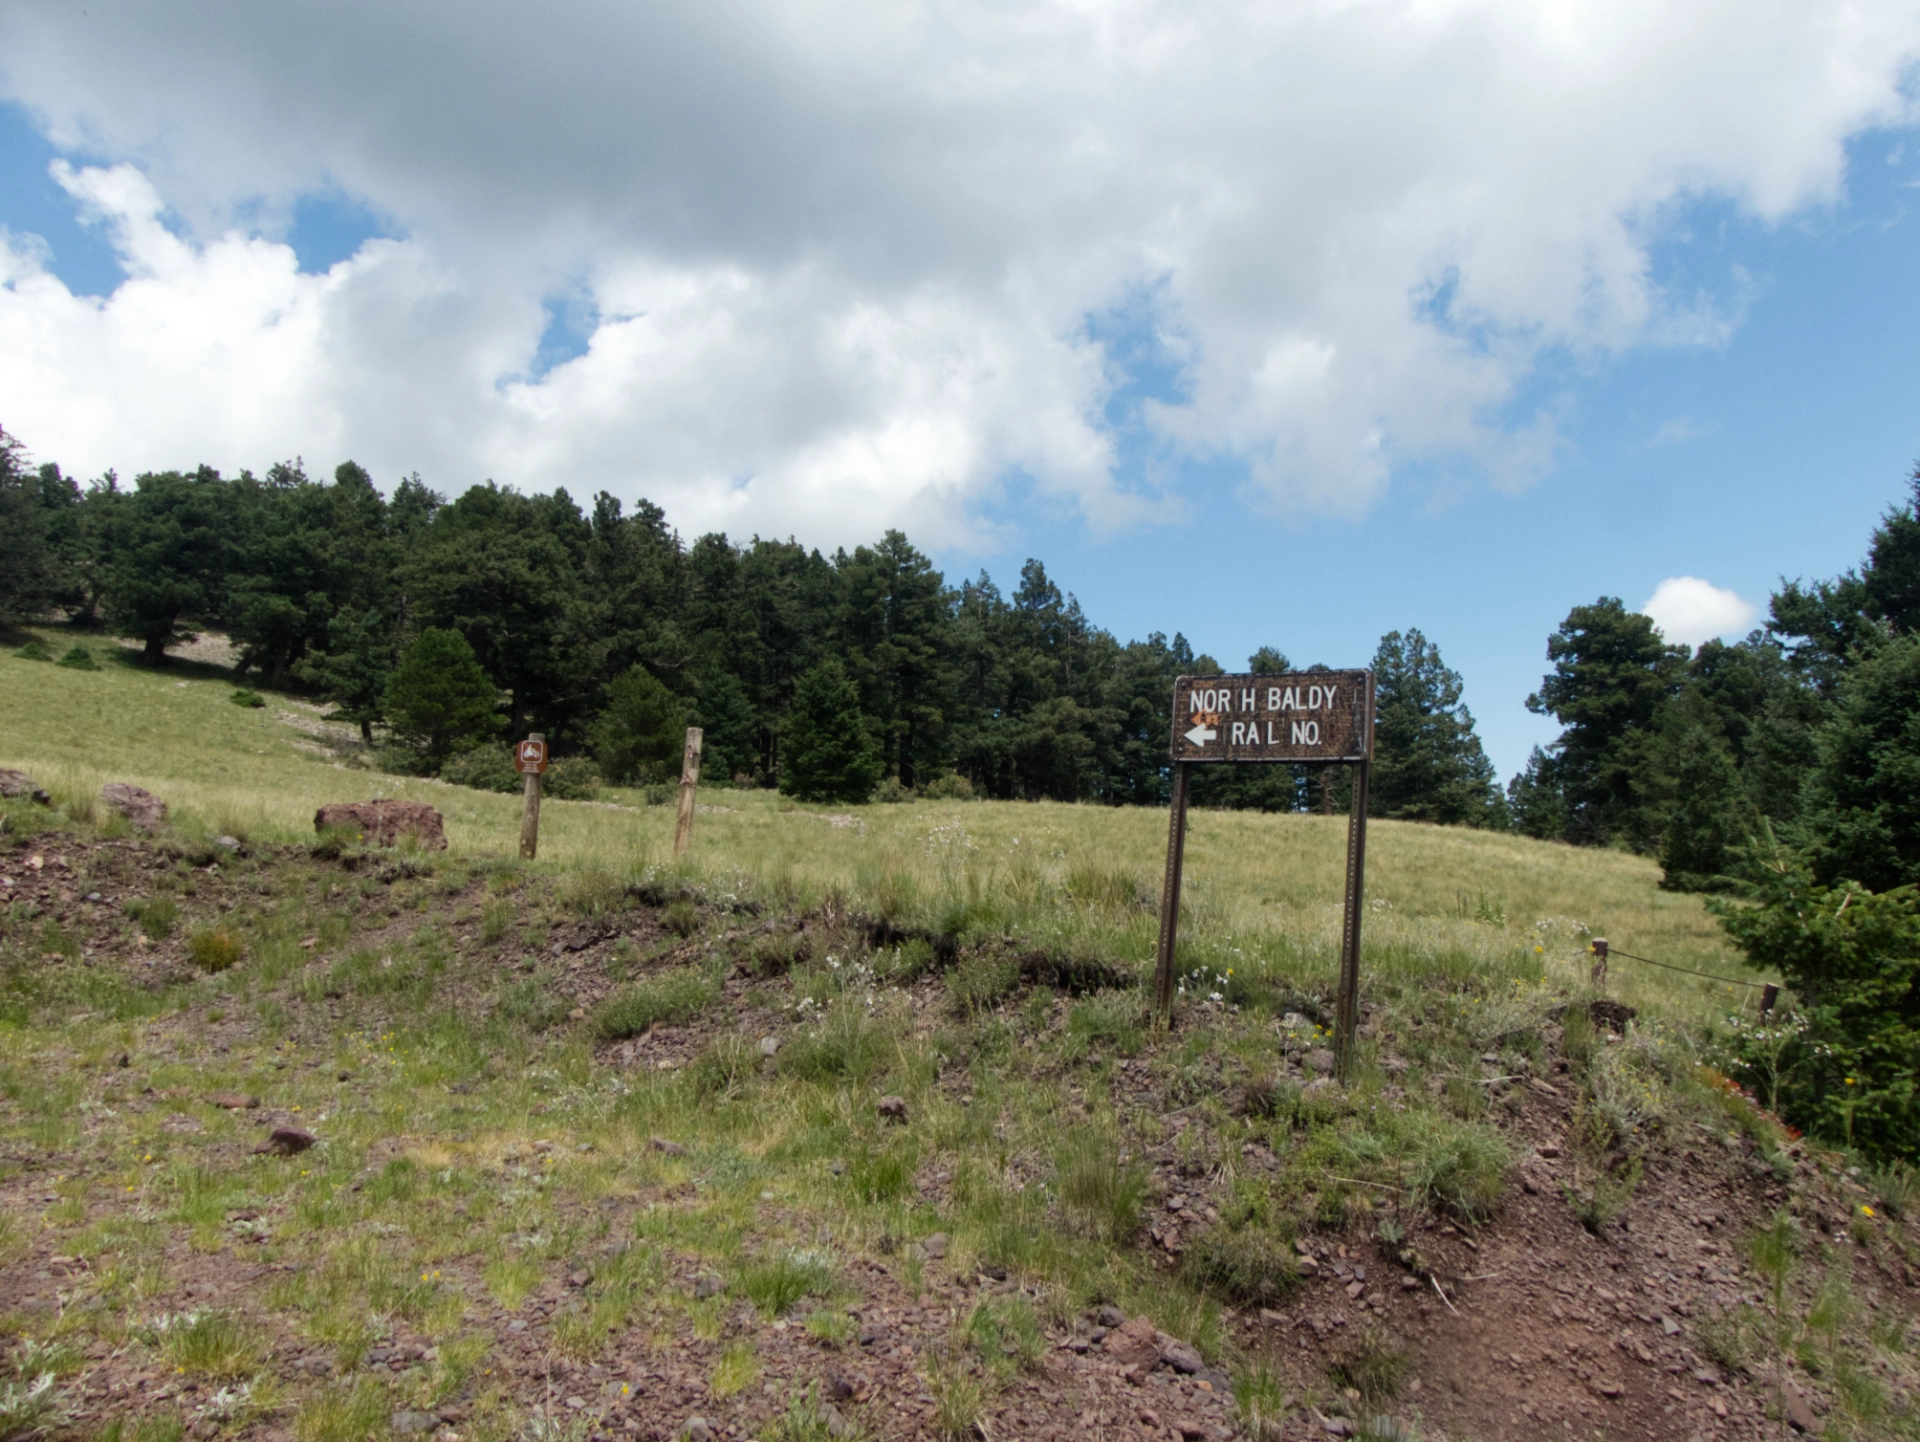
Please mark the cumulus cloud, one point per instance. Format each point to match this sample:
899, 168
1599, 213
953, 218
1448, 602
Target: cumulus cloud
845, 255
1688, 610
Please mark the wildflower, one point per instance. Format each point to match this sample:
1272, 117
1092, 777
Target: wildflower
1849, 1081
1866, 1209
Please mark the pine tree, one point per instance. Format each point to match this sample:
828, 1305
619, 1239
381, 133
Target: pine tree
642, 731
439, 695
1428, 763
827, 753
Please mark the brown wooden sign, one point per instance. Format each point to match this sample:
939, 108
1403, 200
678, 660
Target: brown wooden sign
530, 757
1288, 716
1296, 716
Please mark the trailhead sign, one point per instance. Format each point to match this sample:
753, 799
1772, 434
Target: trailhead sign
1291, 716
1303, 717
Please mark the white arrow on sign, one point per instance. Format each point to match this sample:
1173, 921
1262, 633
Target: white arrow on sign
1201, 735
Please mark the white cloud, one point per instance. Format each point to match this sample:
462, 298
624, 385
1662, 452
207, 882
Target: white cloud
1688, 610
845, 253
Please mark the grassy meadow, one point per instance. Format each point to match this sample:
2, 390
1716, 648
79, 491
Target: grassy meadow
1262, 893
592, 1158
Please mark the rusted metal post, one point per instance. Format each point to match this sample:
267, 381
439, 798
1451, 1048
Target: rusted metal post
689, 783
1347, 1005
1170, 895
1598, 976
530, 811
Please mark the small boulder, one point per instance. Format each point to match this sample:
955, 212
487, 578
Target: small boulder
384, 822
1135, 1344
672, 1149
893, 1109
234, 1101
935, 1246
1321, 1060
285, 1141
697, 1429
17, 783
1179, 1356
405, 1423
141, 807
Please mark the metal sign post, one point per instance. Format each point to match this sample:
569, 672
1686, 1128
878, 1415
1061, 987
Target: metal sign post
1295, 717
689, 783
530, 760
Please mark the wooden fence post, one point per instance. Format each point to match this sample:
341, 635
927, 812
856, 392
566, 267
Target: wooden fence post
689, 783
530, 812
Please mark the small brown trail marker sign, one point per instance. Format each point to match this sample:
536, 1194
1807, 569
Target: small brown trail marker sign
1294, 717
530, 759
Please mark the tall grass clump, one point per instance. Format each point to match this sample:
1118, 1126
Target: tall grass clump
671, 996
1102, 1194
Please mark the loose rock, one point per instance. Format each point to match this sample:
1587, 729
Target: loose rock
894, 1109
1136, 1344
15, 784
141, 807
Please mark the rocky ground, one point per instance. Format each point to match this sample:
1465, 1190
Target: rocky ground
121, 1048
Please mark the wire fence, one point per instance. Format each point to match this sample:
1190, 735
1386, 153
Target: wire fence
1604, 952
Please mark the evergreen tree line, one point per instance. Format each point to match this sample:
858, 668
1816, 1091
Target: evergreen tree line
1784, 771
1804, 737
441, 625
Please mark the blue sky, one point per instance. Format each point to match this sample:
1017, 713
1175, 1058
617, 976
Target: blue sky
1292, 326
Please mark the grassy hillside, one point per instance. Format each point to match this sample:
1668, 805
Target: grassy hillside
852, 1127
1262, 892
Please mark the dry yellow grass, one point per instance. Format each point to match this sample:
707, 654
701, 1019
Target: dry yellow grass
1261, 890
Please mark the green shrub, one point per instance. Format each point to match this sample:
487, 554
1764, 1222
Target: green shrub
79, 658
215, 950
35, 650
571, 778
484, 768
950, 787
890, 791
1852, 957
671, 996
252, 700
